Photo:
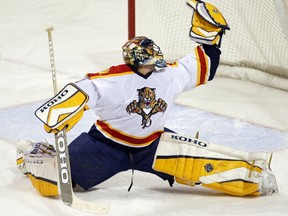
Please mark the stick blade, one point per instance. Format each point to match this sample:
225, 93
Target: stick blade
89, 206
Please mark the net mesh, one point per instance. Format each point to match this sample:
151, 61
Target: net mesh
256, 47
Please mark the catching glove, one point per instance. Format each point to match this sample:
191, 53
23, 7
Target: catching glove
64, 110
208, 23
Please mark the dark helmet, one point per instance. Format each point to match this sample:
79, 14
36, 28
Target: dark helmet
142, 51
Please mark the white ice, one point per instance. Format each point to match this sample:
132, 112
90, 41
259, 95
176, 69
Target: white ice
87, 36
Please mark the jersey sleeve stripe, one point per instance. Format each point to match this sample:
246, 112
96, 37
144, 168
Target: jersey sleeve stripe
202, 66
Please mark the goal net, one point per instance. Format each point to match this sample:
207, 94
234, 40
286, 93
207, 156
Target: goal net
255, 49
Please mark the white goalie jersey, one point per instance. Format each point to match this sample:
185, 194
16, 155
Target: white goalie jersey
133, 108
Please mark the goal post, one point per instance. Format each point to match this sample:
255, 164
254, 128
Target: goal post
131, 19
255, 49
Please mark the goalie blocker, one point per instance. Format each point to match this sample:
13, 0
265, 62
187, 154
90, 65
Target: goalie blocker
220, 168
64, 110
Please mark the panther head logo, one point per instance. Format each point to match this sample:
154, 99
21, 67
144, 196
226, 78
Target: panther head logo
147, 105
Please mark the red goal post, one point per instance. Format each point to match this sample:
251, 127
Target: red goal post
131, 19
255, 49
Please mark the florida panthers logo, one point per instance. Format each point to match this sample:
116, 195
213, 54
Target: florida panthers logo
147, 105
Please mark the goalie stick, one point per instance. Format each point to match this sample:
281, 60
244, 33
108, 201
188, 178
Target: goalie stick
64, 172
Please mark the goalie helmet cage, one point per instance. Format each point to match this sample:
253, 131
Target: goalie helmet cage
255, 49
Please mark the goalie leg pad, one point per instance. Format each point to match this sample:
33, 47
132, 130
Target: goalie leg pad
38, 162
42, 173
22, 147
220, 168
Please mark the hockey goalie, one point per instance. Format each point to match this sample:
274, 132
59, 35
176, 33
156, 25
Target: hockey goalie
132, 102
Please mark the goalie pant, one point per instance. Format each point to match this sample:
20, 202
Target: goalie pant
93, 159
187, 162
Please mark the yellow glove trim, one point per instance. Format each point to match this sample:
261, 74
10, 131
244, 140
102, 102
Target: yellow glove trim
69, 124
64, 110
208, 13
208, 23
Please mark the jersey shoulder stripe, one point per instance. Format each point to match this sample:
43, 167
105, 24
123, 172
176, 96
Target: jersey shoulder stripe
118, 70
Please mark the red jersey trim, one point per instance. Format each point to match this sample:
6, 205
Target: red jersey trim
112, 71
202, 69
124, 138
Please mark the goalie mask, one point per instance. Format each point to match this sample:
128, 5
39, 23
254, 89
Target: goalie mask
142, 51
